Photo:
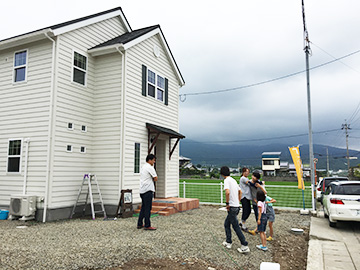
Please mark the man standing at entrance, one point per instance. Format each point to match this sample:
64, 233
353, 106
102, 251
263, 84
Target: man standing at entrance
147, 188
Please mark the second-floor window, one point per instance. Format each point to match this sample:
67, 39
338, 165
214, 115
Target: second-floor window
156, 86
79, 68
20, 62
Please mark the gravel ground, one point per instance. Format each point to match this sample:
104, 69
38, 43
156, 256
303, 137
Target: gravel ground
185, 238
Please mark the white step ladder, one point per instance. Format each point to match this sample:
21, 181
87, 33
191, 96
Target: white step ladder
91, 182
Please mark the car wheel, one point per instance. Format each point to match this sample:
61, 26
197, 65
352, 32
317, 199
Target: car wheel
331, 223
325, 215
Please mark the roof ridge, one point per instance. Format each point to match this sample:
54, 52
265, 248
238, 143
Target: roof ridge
59, 25
84, 18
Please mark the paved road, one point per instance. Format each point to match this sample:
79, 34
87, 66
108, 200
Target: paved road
333, 248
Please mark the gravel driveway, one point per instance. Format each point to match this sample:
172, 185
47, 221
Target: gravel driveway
101, 244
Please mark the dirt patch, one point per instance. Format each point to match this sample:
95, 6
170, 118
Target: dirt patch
169, 263
291, 251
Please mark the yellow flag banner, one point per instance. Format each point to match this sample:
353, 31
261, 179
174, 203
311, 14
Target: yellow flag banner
295, 154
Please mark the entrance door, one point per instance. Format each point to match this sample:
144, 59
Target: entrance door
160, 154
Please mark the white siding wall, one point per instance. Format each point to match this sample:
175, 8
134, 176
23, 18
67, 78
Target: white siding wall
106, 146
75, 103
24, 113
140, 109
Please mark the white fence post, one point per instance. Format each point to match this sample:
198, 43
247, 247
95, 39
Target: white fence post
184, 189
221, 192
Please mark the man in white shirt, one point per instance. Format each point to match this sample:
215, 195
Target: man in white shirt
233, 196
147, 188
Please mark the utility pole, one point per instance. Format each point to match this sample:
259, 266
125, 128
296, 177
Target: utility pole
327, 162
311, 150
347, 127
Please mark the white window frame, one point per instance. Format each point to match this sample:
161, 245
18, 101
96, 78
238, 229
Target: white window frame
21, 66
155, 85
20, 156
72, 128
84, 149
78, 68
71, 150
82, 128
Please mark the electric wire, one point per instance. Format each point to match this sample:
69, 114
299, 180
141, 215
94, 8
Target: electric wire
264, 139
183, 96
355, 113
334, 57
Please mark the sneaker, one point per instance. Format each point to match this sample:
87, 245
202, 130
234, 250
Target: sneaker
150, 228
227, 245
261, 247
245, 229
140, 227
244, 249
269, 238
252, 232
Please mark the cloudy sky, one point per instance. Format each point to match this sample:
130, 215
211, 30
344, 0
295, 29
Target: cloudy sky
220, 45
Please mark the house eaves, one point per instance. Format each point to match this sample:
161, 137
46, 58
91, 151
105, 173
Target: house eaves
133, 38
61, 28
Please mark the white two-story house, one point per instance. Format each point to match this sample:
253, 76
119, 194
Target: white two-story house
87, 96
270, 162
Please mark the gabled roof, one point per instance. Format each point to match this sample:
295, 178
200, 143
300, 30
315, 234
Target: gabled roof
125, 41
61, 28
127, 37
132, 38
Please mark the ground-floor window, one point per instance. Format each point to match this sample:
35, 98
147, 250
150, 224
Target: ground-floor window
14, 155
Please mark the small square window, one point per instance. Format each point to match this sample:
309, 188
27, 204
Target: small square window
69, 148
70, 126
83, 128
82, 149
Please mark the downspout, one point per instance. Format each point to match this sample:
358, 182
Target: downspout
27, 141
50, 130
122, 133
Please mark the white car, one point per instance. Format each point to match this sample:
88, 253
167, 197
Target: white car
341, 201
323, 184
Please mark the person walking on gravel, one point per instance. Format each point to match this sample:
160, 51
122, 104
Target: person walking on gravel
147, 188
246, 198
233, 195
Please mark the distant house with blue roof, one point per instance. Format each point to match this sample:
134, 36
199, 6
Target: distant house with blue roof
270, 163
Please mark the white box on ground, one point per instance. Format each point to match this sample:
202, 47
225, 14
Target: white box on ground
269, 266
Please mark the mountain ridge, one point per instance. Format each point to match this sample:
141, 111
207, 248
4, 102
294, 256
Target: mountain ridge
250, 155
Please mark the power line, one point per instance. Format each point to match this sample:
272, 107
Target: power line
334, 57
357, 110
264, 139
183, 96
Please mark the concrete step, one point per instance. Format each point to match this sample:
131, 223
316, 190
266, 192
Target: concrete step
169, 206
